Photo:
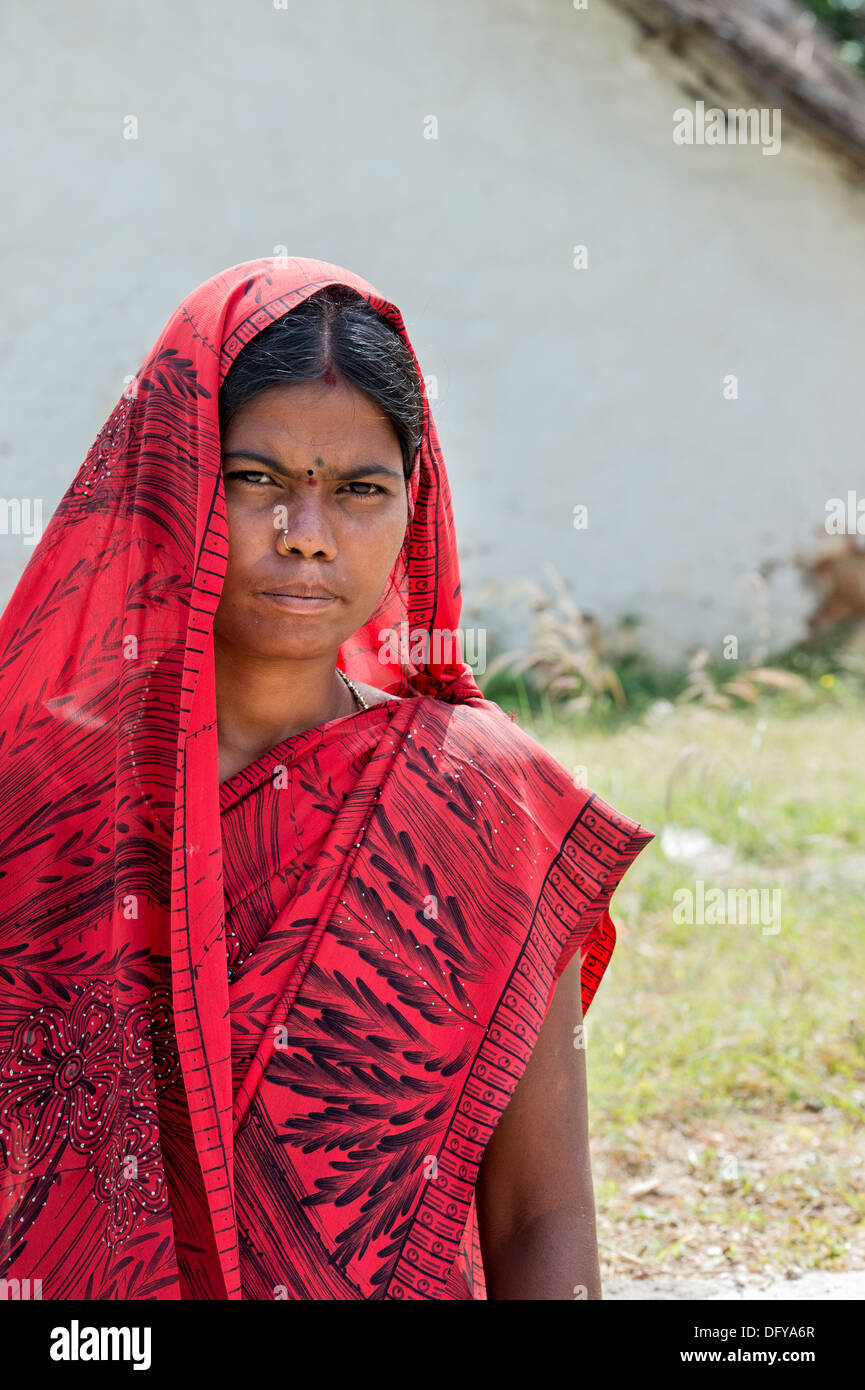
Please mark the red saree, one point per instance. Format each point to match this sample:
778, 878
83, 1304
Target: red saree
255, 1037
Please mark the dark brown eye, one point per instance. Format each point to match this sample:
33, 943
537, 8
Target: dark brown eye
247, 473
376, 490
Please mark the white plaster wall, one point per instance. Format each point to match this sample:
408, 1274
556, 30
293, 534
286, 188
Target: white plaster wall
304, 127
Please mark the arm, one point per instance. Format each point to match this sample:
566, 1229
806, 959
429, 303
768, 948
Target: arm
535, 1201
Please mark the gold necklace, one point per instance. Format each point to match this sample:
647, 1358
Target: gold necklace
353, 688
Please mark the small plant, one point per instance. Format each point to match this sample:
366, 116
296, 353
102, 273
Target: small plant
567, 652
745, 685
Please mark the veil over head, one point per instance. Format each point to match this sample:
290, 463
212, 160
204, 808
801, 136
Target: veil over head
108, 741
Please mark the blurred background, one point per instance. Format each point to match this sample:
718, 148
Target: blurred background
626, 237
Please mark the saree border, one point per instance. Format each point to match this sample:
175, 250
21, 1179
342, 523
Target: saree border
433, 1238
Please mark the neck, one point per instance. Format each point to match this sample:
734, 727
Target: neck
260, 702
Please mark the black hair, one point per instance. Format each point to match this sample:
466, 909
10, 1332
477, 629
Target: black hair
335, 329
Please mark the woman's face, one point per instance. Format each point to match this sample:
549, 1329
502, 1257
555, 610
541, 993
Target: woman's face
322, 463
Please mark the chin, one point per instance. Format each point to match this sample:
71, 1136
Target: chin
301, 647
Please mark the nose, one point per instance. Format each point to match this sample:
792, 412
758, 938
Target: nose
302, 528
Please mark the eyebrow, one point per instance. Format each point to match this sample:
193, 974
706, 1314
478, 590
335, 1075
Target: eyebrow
359, 470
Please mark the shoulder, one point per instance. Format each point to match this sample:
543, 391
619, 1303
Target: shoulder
479, 744
481, 733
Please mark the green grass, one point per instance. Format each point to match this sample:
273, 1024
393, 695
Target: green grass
757, 1015
723, 1025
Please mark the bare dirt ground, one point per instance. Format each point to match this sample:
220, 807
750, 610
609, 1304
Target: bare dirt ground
733, 1209
819, 1285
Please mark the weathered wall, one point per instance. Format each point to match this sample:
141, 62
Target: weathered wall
304, 127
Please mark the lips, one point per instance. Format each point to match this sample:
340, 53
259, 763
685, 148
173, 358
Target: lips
300, 598
299, 591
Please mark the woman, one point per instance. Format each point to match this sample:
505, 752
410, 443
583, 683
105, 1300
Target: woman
285, 900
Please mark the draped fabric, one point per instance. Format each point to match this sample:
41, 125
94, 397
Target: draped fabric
254, 1038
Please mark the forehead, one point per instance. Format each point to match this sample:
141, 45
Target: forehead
301, 414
